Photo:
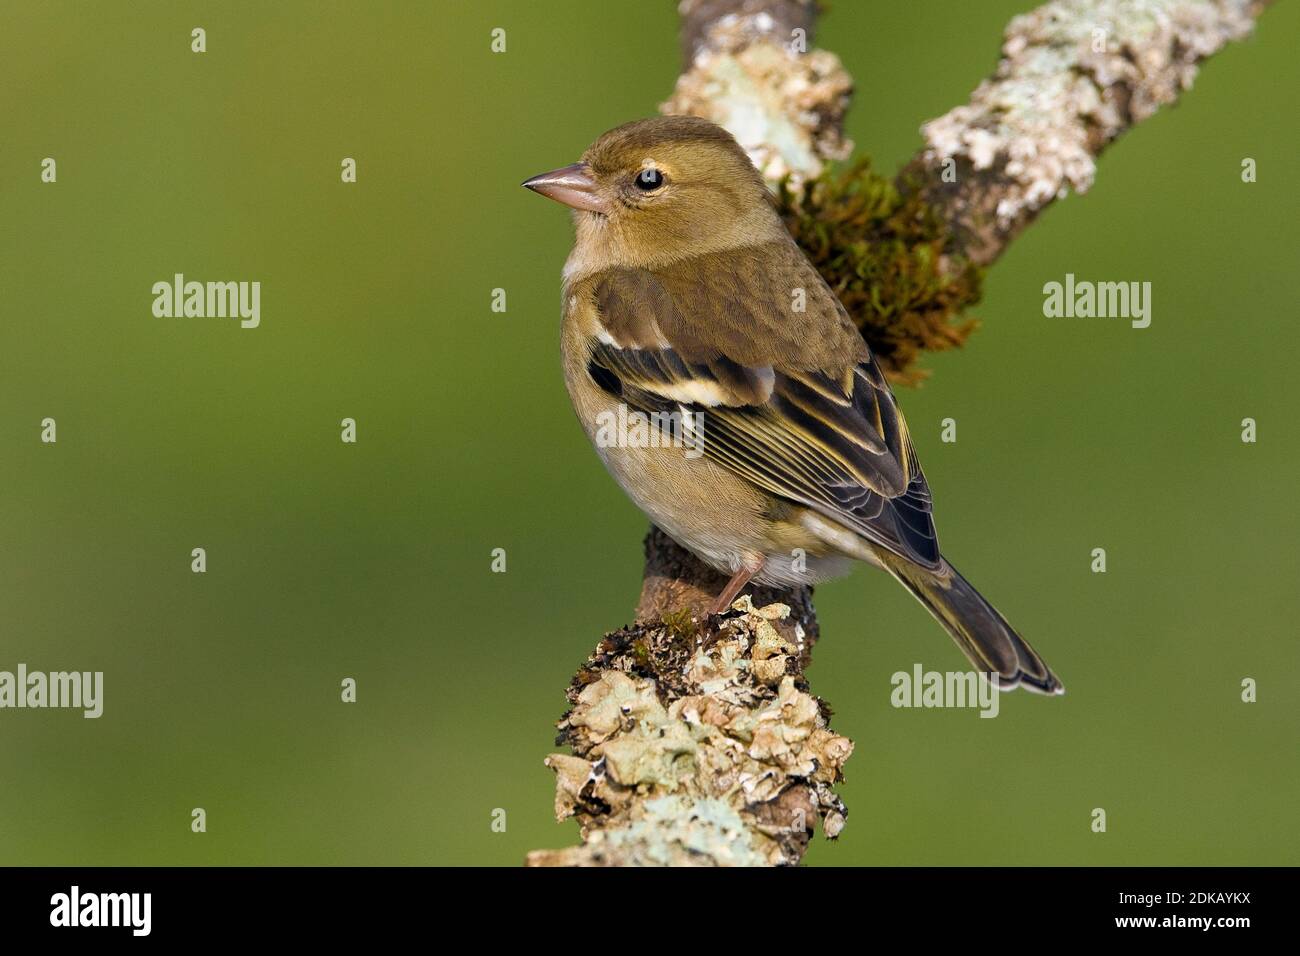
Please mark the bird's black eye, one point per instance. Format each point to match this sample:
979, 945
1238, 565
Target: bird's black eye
649, 179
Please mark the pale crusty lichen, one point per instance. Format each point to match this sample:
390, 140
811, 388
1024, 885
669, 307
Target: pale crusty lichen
784, 106
672, 831
1074, 74
695, 749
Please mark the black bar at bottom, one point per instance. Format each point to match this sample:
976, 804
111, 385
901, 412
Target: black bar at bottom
333, 904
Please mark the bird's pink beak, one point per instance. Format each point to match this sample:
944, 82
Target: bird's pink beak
572, 186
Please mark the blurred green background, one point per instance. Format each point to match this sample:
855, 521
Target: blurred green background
372, 560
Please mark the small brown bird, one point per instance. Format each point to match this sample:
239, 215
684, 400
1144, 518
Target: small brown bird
775, 449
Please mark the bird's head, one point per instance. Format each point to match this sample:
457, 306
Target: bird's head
659, 190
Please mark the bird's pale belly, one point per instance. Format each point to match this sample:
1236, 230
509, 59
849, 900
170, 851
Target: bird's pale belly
722, 518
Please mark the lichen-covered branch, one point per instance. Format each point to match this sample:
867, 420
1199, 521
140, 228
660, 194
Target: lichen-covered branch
697, 741
697, 746
751, 67
1074, 75
693, 746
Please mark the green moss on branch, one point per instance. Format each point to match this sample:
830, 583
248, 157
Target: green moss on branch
887, 256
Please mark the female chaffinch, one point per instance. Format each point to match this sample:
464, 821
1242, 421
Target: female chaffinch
775, 449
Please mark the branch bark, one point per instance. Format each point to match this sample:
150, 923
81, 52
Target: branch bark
697, 741
1073, 77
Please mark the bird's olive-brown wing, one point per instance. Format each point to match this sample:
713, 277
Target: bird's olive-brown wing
781, 386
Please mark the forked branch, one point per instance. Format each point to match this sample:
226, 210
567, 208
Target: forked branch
698, 741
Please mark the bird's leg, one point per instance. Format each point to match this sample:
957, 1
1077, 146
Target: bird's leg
737, 583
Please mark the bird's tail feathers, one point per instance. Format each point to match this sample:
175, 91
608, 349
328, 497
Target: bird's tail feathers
983, 634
